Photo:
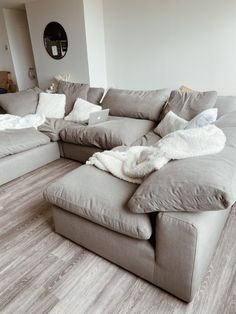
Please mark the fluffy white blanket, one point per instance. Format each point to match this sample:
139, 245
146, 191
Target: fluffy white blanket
9, 122
139, 161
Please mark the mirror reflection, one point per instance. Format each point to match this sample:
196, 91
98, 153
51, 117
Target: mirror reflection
55, 40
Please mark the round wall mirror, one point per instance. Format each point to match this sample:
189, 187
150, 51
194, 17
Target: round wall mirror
55, 40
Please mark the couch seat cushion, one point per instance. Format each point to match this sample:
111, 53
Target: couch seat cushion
17, 141
52, 127
116, 131
101, 198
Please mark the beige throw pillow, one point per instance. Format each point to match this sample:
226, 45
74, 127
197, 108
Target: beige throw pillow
82, 110
169, 124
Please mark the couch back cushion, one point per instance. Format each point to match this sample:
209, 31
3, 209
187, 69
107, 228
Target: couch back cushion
225, 104
21, 103
193, 184
95, 95
136, 104
188, 104
72, 92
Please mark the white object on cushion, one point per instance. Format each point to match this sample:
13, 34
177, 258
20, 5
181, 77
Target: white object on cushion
10, 122
82, 110
139, 161
170, 123
51, 105
204, 118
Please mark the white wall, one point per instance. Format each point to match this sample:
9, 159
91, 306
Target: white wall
20, 46
94, 26
70, 15
156, 43
5, 55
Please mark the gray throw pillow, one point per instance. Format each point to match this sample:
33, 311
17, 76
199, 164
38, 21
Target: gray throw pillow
193, 184
72, 92
136, 104
20, 103
95, 95
188, 104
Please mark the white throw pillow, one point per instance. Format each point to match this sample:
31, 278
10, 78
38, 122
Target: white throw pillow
204, 118
82, 110
170, 123
51, 105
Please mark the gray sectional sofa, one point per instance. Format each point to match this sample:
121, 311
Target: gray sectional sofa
169, 238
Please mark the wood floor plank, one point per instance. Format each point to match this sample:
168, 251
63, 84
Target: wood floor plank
42, 272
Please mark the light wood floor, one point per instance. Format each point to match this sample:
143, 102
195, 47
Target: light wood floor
41, 272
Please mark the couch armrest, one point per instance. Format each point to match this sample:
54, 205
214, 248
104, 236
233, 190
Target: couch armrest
185, 243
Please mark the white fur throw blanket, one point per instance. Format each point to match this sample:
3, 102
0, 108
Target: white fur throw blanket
139, 161
11, 122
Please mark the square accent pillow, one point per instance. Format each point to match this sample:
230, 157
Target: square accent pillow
189, 104
51, 105
169, 124
72, 91
82, 110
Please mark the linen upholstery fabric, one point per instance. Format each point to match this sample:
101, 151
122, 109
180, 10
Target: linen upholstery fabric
177, 262
21, 103
16, 141
95, 95
194, 184
225, 104
100, 198
106, 135
132, 254
185, 244
135, 104
78, 152
52, 127
169, 124
72, 92
14, 166
188, 104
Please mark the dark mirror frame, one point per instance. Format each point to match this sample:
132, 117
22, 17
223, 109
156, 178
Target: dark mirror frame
55, 40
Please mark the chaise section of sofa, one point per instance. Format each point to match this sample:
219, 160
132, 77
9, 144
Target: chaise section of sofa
169, 247
170, 250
